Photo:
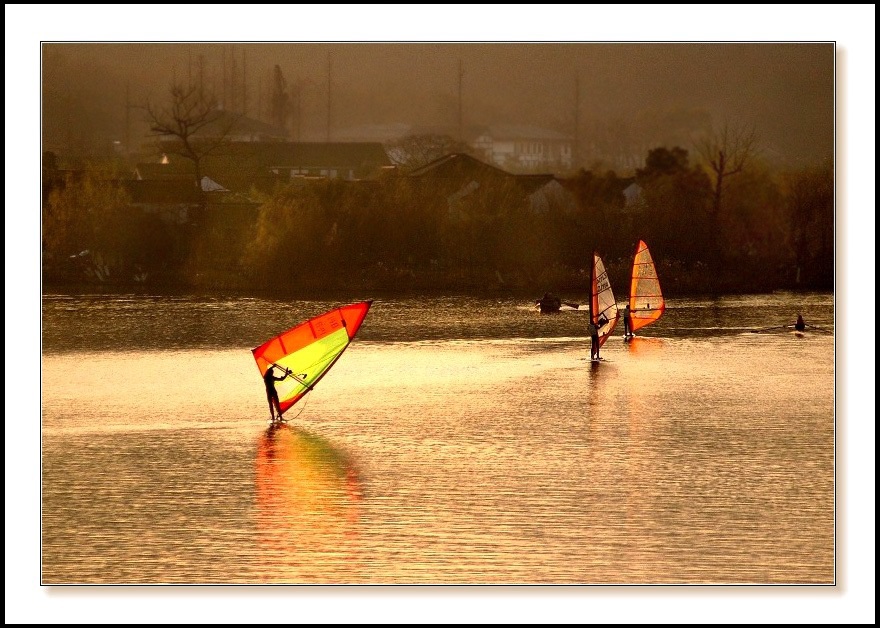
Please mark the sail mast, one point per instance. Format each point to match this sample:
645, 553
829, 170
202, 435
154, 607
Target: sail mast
593, 287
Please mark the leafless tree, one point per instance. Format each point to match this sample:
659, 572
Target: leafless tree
726, 151
280, 99
414, 151
191, 124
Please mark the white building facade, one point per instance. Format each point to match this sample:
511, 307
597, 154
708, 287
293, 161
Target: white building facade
525, 148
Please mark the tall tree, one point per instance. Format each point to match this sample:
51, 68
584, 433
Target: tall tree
811, 211
193, 122
726, 152
280, 100
677, 197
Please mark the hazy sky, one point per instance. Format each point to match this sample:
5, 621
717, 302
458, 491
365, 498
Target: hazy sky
641, 93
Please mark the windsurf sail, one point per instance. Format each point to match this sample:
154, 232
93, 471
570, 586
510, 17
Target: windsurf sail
309, 349
646, 302
603, 307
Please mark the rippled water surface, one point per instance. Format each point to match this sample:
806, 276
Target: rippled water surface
458, 440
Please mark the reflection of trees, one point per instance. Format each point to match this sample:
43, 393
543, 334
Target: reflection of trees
307, 507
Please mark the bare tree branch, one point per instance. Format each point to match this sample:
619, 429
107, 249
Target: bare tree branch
414, 151
727, 152
187, 118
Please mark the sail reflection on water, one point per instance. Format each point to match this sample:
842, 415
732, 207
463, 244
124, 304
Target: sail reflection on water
308, 500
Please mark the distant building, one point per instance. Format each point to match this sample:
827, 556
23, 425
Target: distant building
332, 160
235, 127
173, 201
525, 148
634, 198
240, 166
382, 133
458, 176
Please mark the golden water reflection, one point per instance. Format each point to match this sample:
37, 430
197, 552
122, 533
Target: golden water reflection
308, 501
691, 455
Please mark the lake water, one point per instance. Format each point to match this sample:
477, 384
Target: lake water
458, 440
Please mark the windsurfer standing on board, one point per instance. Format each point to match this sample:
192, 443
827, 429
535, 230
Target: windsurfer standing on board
271, 394
594, 340
627, 322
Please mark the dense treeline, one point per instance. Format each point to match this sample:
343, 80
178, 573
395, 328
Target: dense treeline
91, 230
773, 230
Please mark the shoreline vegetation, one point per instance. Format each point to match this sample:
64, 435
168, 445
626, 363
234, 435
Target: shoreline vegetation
402, 234
677, 281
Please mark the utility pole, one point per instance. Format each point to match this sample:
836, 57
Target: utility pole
201, 66
297, 111
233, 78
329, 95
127, 121
68, 126
575, 153
460, 125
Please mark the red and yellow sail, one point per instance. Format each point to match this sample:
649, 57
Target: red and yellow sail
646, 303
309, 350
603, 307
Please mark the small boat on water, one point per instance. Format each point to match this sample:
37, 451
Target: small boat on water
548, 304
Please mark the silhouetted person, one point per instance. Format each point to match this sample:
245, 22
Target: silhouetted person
271, 394
627, 322
800, 325
594, 340
549, 303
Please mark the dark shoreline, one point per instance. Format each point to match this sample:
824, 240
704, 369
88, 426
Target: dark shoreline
377, 281
353, 293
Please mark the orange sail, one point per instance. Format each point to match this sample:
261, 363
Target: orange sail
603, 307
308, 350
646, 302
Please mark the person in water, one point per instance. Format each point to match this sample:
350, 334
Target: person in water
627, 322
800, 325
271, 394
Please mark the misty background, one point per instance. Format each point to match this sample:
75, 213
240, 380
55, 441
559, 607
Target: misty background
617, 100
